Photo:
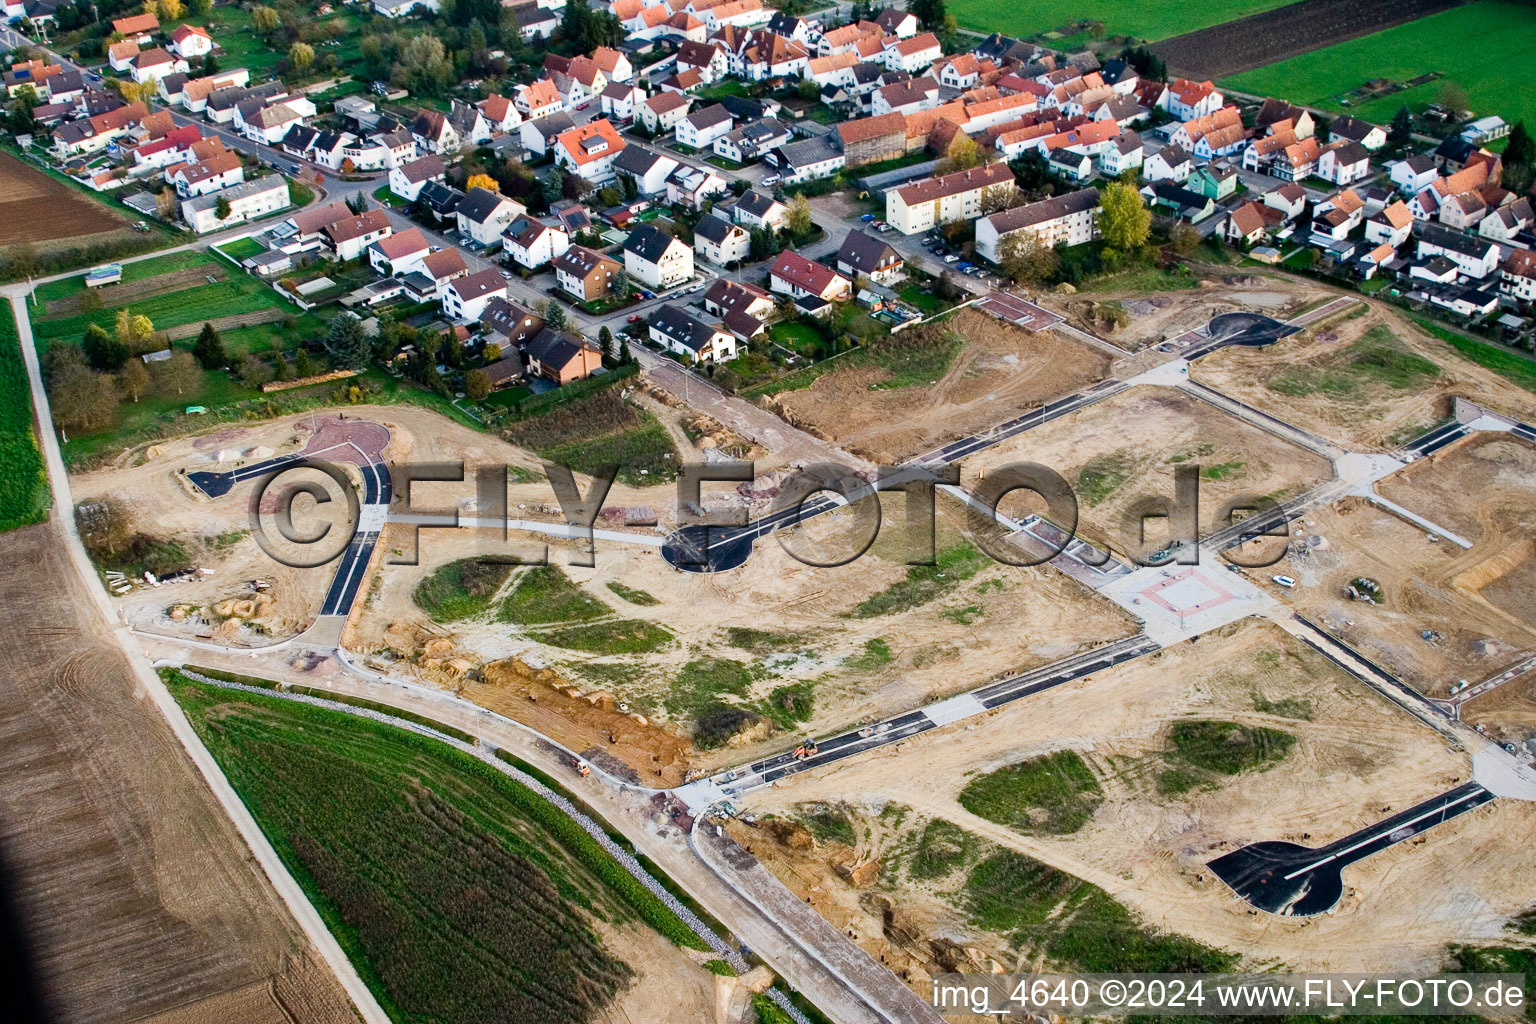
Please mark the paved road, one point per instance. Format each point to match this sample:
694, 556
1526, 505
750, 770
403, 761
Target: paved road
1296, 881
283, 882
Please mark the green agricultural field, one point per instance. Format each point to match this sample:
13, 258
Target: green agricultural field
1484, 47
1150, 19
459, 894
23, 484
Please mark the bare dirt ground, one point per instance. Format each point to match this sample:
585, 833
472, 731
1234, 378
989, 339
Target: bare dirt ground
1159, 315
39, 210
948, 644
1353, 761
139, 897
1473, 639
1001, 372
1377, 416
1127, 447
1508, 713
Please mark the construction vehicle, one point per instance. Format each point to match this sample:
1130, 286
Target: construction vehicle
582, 768
805, 750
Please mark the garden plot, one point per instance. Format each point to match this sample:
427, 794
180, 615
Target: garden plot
921, 899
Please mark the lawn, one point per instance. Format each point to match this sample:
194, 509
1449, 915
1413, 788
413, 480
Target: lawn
1484, 47
1201, 750
1150, 19
461, 589
136, 271
1054, 794
23, 484
1514, 366
924, 583
459, 894
242, 248
798, 336
190, 305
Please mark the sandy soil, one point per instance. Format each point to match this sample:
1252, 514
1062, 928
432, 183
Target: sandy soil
1378, 417
1001, 372
1142, 435
140, 896
1158, 316
1508, 713
1357, 758
669, 983
949, 644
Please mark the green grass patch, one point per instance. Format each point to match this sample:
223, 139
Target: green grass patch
645, 455
1482, 47
1299, 708
195, 303
943, 848
617, 636
1377, 357
432, 858
923, 299
1512, 366
461, 589
1227, 748
797, 336
762, 641
24, 495
702, 682
633, 596
789, 705
876, 655
545, 595
136, 271
830, 823
1499, 960
242, 248
1054, 794
1221, 470
953, 566
1102, 475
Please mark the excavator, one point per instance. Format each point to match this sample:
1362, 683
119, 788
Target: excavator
805, 750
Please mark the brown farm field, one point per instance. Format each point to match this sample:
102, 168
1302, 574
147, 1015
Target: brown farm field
35, 208
1000, 372
1274, 35
140, 902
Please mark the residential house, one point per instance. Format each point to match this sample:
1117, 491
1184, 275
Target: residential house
793, 275
247, 201
1505, 222
692, 187
1390, 226
1127, 154
807, 160
1247, 224
1485, 129
1217, 180
585, 274
1171, 163
656, 259
647, 168
905, 97
207, 175
1186, 100
701, 128
435, 271
434, 134
754, 209
720, 241
509, 324
678, 331
465, 298
621, 101
866, 255
351, 236
190, 41
590, 150
911, 55
538, 99
901, 24
400, 253
93, 134
139, 28
120, 55
1276, 116
1473, 256
500, 113
614, 65
752, 141
1068, 219
406, 180
268, 124
1298, 160
661, 113
538, 137
744, 308
1178, 201
708, 59
155, 63
944, 200
471, 126
560, 357
1414, 174
439, 199
379, 151
1344, 162
482, 215
309, 225
1290, 200
1334, 218
1371, 136
1517, 277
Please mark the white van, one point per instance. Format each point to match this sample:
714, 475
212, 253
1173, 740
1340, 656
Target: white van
1284, 581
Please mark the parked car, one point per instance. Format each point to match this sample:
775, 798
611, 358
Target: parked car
770, 181
867, 218
951, 258
637, 318
1284, 581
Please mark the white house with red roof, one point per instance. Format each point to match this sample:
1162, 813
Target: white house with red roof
614, 65
400, 253
500, 113
1186, 100
190, 41
155, 63
589, 150
797, 277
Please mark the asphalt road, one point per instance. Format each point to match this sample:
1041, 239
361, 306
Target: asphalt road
1296, 881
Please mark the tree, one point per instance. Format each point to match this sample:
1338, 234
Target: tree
491, 354
133, 379
1401, 132
1453, 97
574, 21
264, 19
254, 372
134, 332
554, 182
625, 358
621, 285
1025, 259
301, 56
221, 208
102, 351
81, 398
202, 7
347, 343
1519, 159
997, 198
605, 339
963, 154
477, 384
484, 181
1124, 220
304, 363
554, 316
1184, 238
798, 220
209, 350
179, 375
281, 368
929, 12
357, 202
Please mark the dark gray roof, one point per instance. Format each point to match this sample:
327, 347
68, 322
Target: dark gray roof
1443, 237
580, 260
1045, 210
807, 152
553, 125
479, 203
648, 242
682, 328
864, 252
1350, 128
707, 117
511, 321
713, 228
553, 348
755, 203
441, 198
637, 160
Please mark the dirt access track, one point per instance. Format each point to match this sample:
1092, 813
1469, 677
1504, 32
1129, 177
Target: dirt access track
139, 900
1252, 42
1356, 757
1158, 315
36, 208
1001, 372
